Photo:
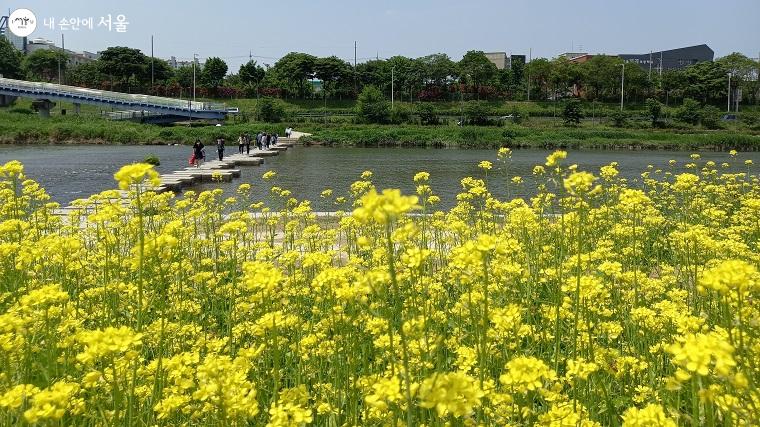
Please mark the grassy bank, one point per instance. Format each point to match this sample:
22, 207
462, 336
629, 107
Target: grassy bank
521, 136
29, 129
17, 127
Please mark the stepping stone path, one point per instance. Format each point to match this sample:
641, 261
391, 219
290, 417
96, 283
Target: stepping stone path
225, 170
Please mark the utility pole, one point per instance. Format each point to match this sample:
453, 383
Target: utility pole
660, 65
728, 110
63, 54
622, 87
195, 59
151, 61
356, 88
530, 58
650, 66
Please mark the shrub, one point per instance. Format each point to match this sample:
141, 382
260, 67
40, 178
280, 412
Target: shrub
749, 118
20, 110
428, 114
476, 112
270, 110
372, 107
152, 159
618, 118
690, 112
401, 114
518, 115
472, 137
572, 113
710, 117
654, 107
509, 134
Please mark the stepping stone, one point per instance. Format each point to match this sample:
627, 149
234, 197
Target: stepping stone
249, 161
267, 153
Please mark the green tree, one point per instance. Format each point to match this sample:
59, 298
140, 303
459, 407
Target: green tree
654, 107
603, 76
476, 69
184, 76
10, 60
743, 73
404, 75
437, 69
690, 112
213, 72
561, 75
540, 72
705, 81
124, 67
251, 73
375, 72
517, 66
332, 71
673, 83
372, 106
295, 69
504, 79
572, 113
162, 72
87, 75
43, 64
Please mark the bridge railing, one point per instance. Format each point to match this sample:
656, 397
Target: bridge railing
43, 89
128, 115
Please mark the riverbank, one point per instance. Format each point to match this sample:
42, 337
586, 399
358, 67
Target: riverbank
20, 128
587, 136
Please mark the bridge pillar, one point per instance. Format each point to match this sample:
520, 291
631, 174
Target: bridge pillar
7, 100
43, 106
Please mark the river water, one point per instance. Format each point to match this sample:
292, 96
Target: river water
76, 171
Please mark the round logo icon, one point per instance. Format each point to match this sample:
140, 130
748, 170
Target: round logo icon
22, 22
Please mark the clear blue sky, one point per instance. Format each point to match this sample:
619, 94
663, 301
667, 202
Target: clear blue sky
270, 29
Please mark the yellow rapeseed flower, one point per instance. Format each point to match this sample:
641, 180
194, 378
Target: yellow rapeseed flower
383, 208
136, 174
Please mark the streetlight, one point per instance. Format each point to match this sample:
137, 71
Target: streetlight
622, 87
729, 93
195, 59
190, 106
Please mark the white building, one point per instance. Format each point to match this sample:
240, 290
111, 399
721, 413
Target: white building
75, 58
175, 63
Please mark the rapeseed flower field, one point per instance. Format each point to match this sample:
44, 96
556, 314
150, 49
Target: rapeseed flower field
597, 302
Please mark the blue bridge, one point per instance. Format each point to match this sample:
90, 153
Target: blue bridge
144, 108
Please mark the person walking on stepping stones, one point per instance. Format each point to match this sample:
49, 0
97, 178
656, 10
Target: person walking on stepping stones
241, 144
220, 148
198, 153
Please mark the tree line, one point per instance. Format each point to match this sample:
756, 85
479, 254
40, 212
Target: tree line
434, 77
